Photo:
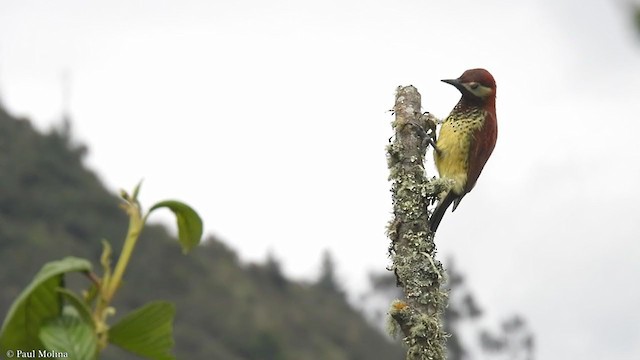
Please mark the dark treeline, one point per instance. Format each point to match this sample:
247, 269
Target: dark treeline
51, 206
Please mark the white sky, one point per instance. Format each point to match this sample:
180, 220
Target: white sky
270, 118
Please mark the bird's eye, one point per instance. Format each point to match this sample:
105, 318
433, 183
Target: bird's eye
474, 85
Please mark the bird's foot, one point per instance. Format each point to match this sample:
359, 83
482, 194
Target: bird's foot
428, 135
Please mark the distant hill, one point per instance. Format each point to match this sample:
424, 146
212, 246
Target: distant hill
52, 206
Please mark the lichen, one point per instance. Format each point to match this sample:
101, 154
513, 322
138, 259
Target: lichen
412, 248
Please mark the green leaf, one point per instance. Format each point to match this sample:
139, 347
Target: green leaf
136, 191
147, 331
70, 336
189, 223
38, 302
76, 302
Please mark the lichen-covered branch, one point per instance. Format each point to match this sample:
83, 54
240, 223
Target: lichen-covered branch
412, 249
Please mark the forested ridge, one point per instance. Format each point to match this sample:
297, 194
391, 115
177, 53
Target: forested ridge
52, 206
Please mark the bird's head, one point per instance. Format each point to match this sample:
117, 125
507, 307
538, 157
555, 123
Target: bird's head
476, 85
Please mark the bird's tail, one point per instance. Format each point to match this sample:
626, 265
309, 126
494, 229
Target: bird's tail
440, 209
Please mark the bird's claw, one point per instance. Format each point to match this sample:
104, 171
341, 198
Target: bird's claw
428, 136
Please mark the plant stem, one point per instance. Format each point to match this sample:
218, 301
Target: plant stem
136, 224
111, 282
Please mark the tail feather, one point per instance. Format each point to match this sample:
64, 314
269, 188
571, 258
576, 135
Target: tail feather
456, 202
440, 209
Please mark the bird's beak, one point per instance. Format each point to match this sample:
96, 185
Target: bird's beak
456, 83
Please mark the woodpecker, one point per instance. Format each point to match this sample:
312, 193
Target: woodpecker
466, 139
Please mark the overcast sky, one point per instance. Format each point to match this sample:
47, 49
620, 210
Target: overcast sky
271, 119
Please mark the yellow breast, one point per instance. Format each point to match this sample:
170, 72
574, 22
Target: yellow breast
454, 141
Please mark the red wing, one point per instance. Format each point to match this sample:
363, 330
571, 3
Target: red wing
482, 145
